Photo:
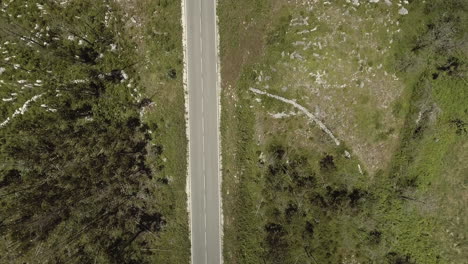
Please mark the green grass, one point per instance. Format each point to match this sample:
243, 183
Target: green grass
407, 207
162, 49
430, 151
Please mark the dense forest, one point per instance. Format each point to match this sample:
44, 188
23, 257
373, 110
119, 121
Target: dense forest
76, 184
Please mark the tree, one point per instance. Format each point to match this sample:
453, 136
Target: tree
77, 183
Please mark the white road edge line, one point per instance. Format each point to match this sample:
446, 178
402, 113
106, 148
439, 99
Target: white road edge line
220, 154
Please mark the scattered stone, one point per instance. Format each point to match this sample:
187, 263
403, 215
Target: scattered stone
296, 55
124, 75
403, 11
281, 115
347, 154
113, 47
299, 43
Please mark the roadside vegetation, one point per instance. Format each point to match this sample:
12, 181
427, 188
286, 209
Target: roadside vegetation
389, 79
92, 133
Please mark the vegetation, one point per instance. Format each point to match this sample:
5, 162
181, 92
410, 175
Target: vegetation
290, 194
89, 170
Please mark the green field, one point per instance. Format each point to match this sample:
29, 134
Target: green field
93, 166
392, 87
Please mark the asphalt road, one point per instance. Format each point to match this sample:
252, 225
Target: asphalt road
202, 84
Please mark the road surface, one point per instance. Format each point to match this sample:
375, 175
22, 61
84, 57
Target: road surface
203, 118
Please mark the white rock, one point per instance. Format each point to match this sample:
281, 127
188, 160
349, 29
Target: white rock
124, 75
347, 154
279, 115
403, 11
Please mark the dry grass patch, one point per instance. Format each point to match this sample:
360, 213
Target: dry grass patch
333, 61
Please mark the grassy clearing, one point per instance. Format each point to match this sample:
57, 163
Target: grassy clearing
241, 235
306, 60
393, 95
